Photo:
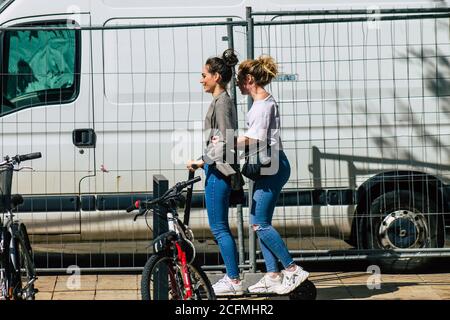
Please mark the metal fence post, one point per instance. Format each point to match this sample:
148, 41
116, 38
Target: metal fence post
251, 232
160, 285
240, 228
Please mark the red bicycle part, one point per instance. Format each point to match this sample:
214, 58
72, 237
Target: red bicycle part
185, 272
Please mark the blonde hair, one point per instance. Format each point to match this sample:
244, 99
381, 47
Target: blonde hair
263, 69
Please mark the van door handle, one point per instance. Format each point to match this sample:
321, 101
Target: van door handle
84, 138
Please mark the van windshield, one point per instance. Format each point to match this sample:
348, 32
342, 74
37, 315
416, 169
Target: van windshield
38, 66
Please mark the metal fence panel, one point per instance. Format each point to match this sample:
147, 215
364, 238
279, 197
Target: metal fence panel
358, 97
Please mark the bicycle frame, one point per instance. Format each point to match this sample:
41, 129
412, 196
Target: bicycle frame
180, 253
185, 272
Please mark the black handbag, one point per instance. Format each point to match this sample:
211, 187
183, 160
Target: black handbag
237, 197
252, 166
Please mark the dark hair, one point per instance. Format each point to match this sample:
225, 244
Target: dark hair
223, 66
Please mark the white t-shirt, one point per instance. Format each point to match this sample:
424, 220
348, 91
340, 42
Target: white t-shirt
263, 122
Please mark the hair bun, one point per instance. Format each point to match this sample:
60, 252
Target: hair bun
230, 58
268, 64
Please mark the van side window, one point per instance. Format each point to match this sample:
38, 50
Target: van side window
40, 67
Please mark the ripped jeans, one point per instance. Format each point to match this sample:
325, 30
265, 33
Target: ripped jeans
265, 195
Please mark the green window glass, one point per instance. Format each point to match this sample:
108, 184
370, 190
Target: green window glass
39, 67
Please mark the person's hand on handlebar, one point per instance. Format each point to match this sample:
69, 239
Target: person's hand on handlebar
193, 165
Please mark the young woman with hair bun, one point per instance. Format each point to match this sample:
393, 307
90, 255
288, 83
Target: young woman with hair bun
221, 176
263, 121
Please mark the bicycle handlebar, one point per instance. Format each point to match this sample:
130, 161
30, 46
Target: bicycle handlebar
133, 207
171, 193
20, 158
189, 182
29, 156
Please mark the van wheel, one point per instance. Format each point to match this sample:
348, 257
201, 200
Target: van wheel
402, 220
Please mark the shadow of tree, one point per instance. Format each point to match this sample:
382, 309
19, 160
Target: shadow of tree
385, 136
403, 136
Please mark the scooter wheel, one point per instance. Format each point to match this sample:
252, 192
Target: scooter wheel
306, 291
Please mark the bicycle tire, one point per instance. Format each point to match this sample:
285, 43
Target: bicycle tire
26, 270
5, 266
175, 290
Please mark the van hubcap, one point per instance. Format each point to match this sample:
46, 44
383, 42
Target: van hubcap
403, 229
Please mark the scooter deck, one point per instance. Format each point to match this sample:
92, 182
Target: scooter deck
305, 291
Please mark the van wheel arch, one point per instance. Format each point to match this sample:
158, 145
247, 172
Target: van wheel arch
414, 182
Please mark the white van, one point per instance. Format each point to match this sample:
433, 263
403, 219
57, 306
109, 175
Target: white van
365, 115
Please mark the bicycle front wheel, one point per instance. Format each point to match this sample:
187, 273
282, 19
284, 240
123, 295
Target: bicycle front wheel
25, 272
5, 265
162, 279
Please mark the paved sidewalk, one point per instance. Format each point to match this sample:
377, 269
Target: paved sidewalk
355, 286
330, 286
89, 287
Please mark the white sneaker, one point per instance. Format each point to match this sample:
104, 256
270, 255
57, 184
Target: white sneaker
291, 280
266, 284
226, 287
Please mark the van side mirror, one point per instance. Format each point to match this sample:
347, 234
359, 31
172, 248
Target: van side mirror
84, 138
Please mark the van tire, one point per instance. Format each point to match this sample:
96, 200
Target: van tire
403, 220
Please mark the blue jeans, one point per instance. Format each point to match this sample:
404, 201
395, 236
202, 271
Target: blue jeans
265, 195
217, 196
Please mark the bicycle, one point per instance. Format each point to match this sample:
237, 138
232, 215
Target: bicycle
17, 271
172, 273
